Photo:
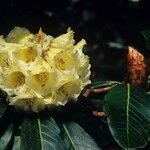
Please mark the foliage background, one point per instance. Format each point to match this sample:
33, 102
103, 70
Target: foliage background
108, 26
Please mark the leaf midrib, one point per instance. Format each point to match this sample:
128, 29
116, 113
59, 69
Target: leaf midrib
40, 131
66, 130
127, 112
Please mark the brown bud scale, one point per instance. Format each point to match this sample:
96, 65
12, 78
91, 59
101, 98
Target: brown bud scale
137, 68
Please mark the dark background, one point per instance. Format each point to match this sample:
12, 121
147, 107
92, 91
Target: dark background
108, 26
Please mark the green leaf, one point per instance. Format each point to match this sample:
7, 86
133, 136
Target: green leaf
76, 138
146, 34
5, 139
128, 115
99, 84
17, 142
37, 134
3, 108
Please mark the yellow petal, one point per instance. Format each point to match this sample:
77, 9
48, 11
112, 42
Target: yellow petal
27, 55
71, 88
83, 70
65, 61
39, 65
19, 35
60, 44
28, 104
63, 41
4, 60
14, 80
60, 99
79, 46
42, 83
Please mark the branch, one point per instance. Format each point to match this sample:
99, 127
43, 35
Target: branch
98, 90
99, 114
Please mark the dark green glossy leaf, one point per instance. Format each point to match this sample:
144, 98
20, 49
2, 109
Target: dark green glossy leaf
76, 138
5, 139
3, 108
128, 115
100, 84
37, 134
17, 142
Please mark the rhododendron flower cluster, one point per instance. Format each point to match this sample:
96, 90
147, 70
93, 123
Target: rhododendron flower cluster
38, 70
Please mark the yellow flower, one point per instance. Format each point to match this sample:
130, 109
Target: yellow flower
65, 61
79, 46
64, 41
11, 79
27, 55
19, 35
71, 88
14, 79
43, 83
60, 44
83, 70
39, 71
